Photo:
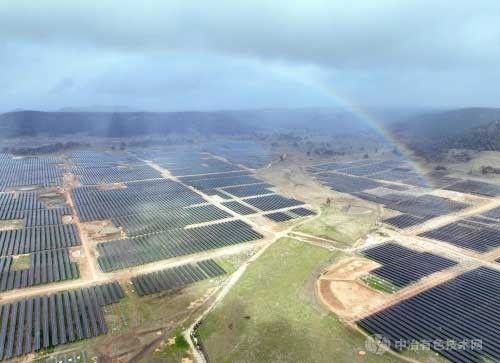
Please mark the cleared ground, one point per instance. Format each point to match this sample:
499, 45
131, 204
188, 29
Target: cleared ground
342, 223
270, 315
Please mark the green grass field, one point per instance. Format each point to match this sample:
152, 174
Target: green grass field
380, 284
21, 262
339, 224
270, 315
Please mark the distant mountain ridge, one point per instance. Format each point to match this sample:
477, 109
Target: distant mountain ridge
426, 132
116, 124
124, 124
434, 133
99, 108
447, 123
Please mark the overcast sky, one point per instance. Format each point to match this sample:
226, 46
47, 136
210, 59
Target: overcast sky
179, 55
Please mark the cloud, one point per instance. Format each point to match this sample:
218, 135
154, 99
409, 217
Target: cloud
385, 51
330, 33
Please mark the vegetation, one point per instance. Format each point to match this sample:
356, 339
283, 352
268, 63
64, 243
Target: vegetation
173, 349
21, 262
11, 224
489, 169
271, 316
380, 284
432, 135
154, 311
44, 149
344, 224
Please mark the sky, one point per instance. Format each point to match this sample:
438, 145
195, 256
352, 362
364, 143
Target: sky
210, 55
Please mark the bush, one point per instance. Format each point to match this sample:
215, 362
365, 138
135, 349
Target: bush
181, 342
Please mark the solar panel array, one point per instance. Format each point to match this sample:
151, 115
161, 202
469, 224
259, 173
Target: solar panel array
26, 206
214, 175
176, 277
406, 220
144, 249
490, 218
144, 207
44, 267
41, 237
425, 205
94, 167
346, 183
239, 208
243, 191
289, 214
420, 209
34, 239
302, 212
187, 161
403, 266
31, 324
466, 235
476, 187
30, 171
448, 318
337, 165
158, 215
366, 179
375, 170
224, 181
272, 202
251, 154
279, 216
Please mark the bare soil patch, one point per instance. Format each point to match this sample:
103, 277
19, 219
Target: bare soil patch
67, 219
100, 231
111, 186
350, 269
52, 198
340, 289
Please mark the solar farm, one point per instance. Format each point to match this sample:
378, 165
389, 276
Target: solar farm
398, 186
85, 233
456, 318
403, 266
80, 232
176, 277
49, 320
434, 282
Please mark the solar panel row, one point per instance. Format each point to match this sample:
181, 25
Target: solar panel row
176, 277
31, 324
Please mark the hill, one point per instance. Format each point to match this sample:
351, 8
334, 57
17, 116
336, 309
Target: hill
432, 134
119, 124
124, 124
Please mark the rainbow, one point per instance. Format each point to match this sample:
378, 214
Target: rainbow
362, 114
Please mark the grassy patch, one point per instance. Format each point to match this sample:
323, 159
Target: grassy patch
345, 224
173, 349
152, 311
21, 262
232, 262
270, 316
181, 342
11, 224
380, 284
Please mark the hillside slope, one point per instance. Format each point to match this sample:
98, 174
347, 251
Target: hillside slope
430, 135
31, 123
